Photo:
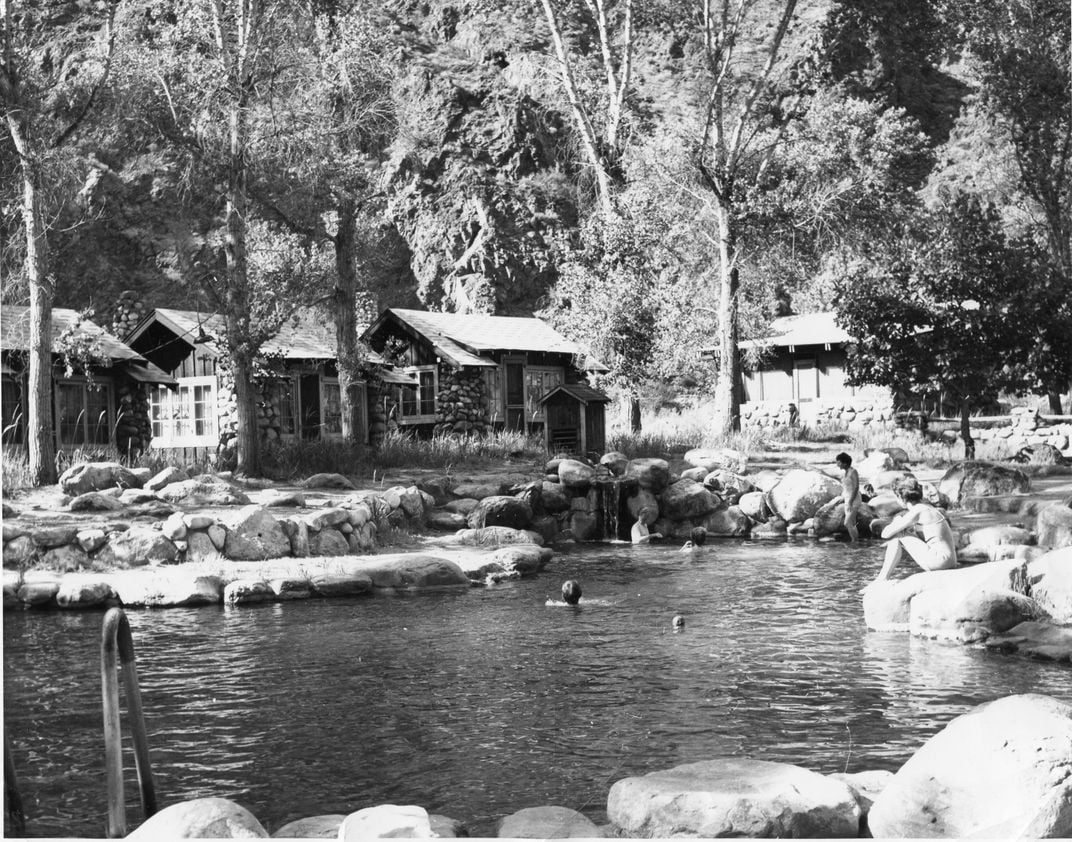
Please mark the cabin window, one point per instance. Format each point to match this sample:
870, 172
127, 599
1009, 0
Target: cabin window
83, 413
418, 402
184, 416
539, 380
330, 408
14, 411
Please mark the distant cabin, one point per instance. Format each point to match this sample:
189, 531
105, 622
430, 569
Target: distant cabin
476, 372
102, 406
803, 364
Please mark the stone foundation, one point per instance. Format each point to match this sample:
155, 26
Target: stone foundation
851, 413
1027, 429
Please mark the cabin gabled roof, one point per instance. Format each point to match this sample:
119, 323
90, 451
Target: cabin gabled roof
307, 335
804, 329
15, 336
15, 331
464, 338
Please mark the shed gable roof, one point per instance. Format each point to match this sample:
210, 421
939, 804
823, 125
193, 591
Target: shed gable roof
581, 391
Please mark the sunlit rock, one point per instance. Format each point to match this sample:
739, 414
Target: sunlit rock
734, 797
201, 818
547, 823
1002, 770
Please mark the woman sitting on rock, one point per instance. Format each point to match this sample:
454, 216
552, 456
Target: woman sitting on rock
936, 550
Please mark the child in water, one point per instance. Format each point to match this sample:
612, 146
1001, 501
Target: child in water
697, 538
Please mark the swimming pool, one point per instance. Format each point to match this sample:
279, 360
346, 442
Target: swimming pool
478, 703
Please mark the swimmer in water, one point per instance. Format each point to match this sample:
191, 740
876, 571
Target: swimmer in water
697, 538
571, 592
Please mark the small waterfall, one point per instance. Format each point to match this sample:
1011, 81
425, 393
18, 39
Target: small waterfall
613, 492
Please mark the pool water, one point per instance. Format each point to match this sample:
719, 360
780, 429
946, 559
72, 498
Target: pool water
478, 703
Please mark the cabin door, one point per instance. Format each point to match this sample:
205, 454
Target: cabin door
515, 395
309, 406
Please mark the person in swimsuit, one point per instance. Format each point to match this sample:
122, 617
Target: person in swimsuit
937, 550
640, 533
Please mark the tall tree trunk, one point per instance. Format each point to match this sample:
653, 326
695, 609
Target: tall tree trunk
727, 392
39, 437
344, 300
634, 413
238, 315
965, 429
1055, 403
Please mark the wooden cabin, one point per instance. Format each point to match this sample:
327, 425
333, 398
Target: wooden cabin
300, 400
575, 419
102, 405
476, 372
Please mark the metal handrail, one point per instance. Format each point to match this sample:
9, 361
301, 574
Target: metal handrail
12, 799
116, 639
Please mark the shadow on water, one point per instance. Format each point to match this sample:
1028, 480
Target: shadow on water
479, 703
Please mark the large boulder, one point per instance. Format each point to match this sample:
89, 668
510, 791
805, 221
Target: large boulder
65, 559
141, 588
138, 546
981, 479
575, 474
980, 613
443, 521
500, 510
385, 822
47, 537
327, 481
615, 462
253, 534
800, 494
1002, 770
494, 536
20, 551
652, 474
165, 477
875, 463
96, 476
81, 592
754, 505
547, 823
642, 498
887, 604
686, 499
202, 818
313, 827
729, 522
203, 491
554, 497
95, 501
327, 542
1049, 581
734, 797
409, 571
1054, 525
885, 505
478, 490
714, 459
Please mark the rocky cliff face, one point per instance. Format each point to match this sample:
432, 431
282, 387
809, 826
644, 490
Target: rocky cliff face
479, 188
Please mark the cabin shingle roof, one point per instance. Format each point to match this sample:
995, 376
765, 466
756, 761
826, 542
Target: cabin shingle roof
15, 331
804, 329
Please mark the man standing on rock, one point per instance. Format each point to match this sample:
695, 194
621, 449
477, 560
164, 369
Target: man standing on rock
850, 493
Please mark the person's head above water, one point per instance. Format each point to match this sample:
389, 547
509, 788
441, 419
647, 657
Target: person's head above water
571, 592
698, 536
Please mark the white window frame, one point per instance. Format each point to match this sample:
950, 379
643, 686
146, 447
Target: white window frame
418, 418
170, 437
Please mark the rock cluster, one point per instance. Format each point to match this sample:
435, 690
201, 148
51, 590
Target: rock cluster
1027, 429
1000, 770
856, 412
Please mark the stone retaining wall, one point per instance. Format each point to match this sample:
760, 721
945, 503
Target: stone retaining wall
1028, 429
852, 413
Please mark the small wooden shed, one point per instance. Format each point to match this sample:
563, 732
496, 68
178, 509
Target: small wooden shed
576, 419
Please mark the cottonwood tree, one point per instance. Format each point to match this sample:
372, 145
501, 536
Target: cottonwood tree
743, 112
949, 310
334, 104
599, 120
209, 66
56, 60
